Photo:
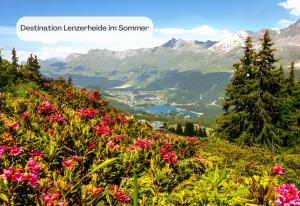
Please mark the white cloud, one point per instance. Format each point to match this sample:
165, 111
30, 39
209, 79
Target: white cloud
203, 32
284, 23
292, 5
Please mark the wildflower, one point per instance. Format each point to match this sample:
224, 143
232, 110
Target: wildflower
70, 162
46, 107
50, 198
13, 173
3, 149
141, 143
287, 194
57, 118
24, 116
91, 145
168, 145
193, 140
93, 96
46, 84
169, 157
69, 92
277, 169
32, 179
15, 150
37, 153
12, 125
122, 197
87, 112
33, 166
95, 190
19, 177
102, 129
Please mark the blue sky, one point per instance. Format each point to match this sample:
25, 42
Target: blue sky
168, 16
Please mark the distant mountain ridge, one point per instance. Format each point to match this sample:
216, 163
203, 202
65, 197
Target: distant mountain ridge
156, 68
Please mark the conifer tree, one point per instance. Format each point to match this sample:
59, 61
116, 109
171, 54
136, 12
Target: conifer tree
291, 79
14, 59
179, 129
255, 98
189, 129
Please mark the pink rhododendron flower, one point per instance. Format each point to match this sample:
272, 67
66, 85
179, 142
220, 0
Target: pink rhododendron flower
141, 143
24, 116
168, 145
193, 140
32, 179
70, 162
13, 173
287, 195
33, 166
93, 96
19, 177
3, 149
102, 129
46, 107
50, 198
69, 92
122, 197
15, 150
12, 125
169, 157
277, 169
37, 153
57, 118
87, 112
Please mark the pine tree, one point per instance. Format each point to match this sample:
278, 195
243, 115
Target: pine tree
238, 104
254, 103
14, 59
189, 129
31, 71
291, 79
179, 129
269, 119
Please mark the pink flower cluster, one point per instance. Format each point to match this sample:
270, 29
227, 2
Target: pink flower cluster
193, 140
33, 166
16, 174
46, 107
122, 197
24, 116
12, 151
113, 142
141, 143
287, 194
57, 118
93, 96
87, 112
277, 169
102, 128
37, 153
12, 125
167, 155
70, 162
51, 198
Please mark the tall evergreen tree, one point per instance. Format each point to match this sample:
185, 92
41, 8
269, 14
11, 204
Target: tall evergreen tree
179, 129
255, 98
189, 129
291, 79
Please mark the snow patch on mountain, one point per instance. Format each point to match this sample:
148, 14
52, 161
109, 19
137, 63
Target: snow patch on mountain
230, 41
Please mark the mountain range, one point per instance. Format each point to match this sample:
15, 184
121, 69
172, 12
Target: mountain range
191, 74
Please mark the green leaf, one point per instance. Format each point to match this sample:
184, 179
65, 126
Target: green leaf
4, 197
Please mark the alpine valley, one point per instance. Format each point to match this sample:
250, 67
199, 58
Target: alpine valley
180, 77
